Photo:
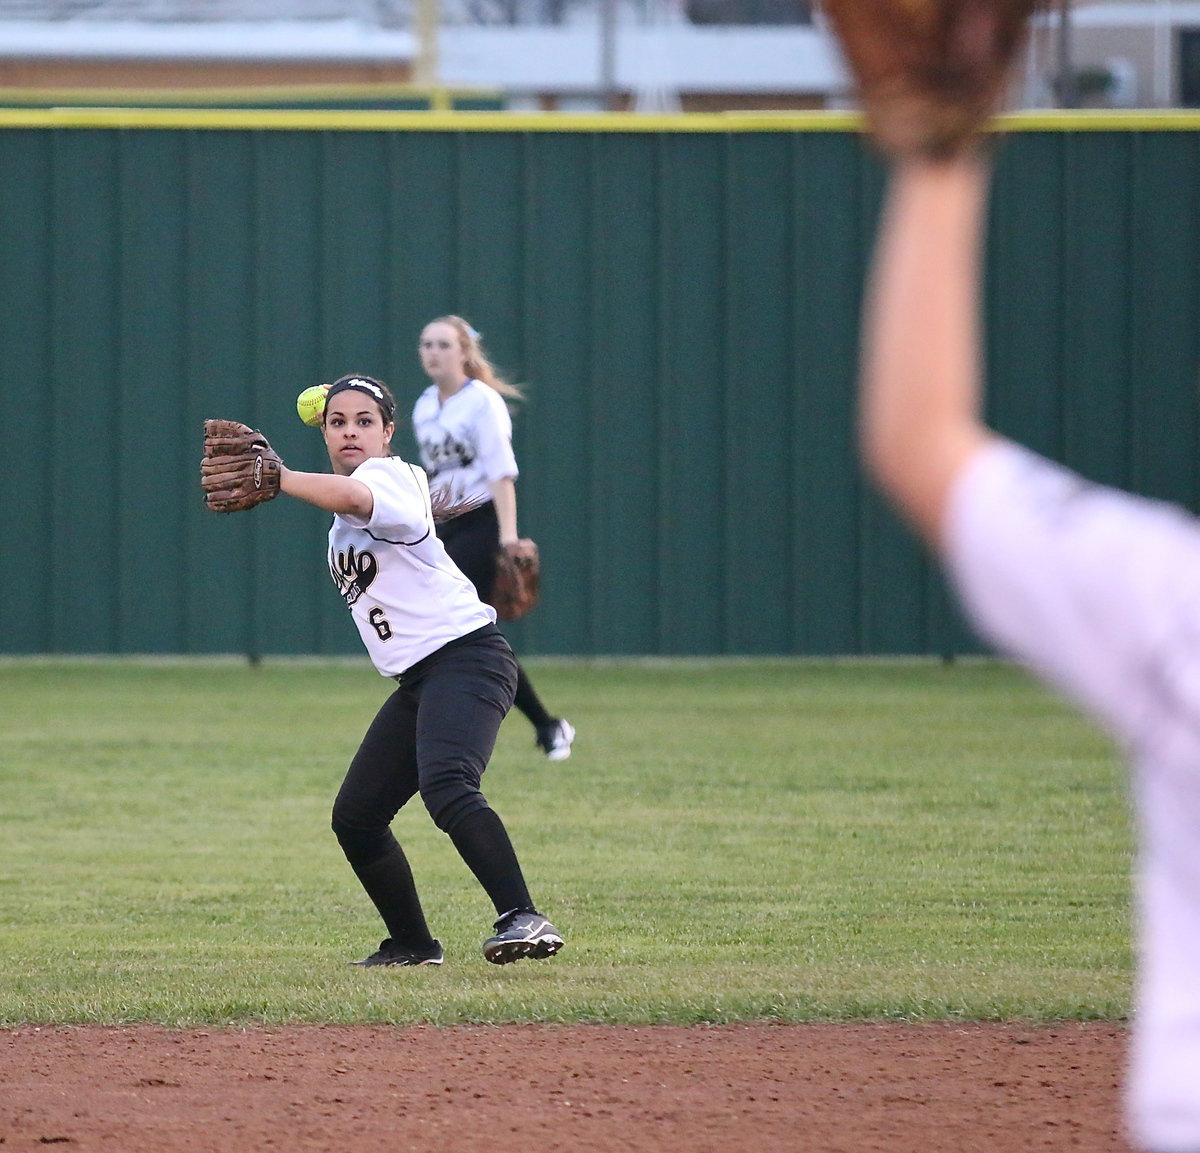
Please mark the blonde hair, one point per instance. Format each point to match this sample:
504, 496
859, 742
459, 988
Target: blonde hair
475, 360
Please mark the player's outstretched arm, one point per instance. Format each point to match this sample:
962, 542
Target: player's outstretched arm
929, 75
333, 493
921, 371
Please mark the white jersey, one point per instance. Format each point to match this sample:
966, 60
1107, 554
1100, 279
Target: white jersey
1098, 592
406, 595
465, 443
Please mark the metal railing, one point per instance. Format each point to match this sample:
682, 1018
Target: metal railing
394, 14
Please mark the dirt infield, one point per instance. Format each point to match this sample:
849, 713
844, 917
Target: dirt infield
799, 1088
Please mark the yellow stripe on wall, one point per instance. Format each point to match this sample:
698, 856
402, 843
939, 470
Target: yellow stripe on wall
367, 120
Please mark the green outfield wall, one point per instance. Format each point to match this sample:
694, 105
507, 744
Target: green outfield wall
679, 297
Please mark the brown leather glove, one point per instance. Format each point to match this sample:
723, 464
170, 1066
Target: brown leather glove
240, 469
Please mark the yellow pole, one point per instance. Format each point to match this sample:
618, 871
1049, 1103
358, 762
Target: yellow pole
426, 72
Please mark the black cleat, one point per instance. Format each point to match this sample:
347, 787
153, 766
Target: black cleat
522, 933
555, 739
389, 953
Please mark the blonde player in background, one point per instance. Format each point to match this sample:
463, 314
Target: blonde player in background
1096, 590
464, 433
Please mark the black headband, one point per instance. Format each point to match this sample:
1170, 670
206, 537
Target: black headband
370, 388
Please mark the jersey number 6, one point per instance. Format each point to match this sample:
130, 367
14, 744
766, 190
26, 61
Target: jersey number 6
380, 624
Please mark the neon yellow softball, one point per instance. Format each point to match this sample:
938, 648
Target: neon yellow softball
310, 405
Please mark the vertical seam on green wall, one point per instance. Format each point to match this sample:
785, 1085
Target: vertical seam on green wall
120, 389
391, 345
189, 384
1060, 398
324, 259
722, 631
1194, 187
868, 220
458, 214
43, 601
787, 626
725, 624
656, 436
801, 193
1128, 146
524, 235
253, 624
587, 398
52, 193
520, 270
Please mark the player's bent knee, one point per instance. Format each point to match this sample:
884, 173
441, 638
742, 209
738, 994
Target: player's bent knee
449, 808
361, 841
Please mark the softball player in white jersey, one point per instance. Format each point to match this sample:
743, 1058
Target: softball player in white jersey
1097, 591
424, 625
464, 433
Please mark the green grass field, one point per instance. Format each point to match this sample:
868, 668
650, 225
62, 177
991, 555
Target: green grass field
732, 841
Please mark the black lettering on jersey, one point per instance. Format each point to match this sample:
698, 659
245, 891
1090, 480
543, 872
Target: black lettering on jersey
449, 453
353, 572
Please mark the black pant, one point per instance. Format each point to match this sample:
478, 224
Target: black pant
434, 736
472, 540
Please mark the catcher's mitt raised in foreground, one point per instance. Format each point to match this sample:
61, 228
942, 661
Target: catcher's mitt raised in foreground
240, 469
929, 73
518, 580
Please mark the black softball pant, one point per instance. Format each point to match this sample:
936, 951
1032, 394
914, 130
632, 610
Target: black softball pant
434, 736
472, 540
